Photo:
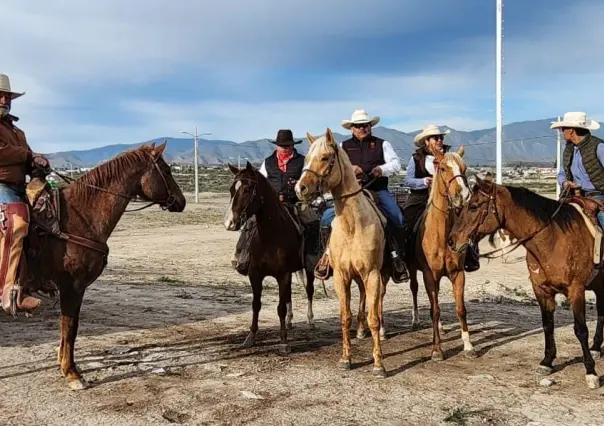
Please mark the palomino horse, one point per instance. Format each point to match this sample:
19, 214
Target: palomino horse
559, 255
356, 244
428, 251
274, 246
90, 208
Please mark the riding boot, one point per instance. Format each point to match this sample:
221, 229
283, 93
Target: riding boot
397, 243
323, 270
472, 260
13, 265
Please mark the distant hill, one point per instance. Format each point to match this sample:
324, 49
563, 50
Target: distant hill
527, 141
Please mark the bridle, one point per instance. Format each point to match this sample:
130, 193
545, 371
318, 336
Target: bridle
165, 205
243, 217
330, 166
447, 184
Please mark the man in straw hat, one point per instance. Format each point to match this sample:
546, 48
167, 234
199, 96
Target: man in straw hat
582, 166
376, 159
420, 172
282, 168
16, 161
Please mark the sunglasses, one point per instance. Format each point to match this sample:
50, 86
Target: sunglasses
438, 138
361, 125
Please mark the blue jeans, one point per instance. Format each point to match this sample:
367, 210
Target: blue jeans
387, 205
600, 214
11, 194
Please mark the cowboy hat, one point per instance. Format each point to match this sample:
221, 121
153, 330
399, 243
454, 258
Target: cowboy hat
5, 87
360, 116
429, 130
285, 137
576, 120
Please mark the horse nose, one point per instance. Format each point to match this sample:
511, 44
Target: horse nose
451, 244
302, 188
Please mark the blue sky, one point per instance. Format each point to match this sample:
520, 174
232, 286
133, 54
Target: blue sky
104, 72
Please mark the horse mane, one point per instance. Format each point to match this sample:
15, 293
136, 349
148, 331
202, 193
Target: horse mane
113, 169
542, 208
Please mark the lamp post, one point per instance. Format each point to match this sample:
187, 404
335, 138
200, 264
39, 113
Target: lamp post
195, 159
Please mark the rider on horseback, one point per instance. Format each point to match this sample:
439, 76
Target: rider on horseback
375, 158
420, 172
16, 161
582, 166
282, 168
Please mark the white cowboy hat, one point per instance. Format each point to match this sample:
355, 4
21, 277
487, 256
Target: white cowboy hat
5, 87
576, 120
360, 116
429, 130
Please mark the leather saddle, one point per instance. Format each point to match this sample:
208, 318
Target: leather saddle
590, 207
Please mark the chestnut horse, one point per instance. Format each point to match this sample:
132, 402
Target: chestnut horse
274, 246
90, 208
428, 251
356, 244
559, 255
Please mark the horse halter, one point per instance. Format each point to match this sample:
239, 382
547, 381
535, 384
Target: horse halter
243, 215
491, 200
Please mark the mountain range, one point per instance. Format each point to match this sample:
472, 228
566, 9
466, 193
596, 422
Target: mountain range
527, 141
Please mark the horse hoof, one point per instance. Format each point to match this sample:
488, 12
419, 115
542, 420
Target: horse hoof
383, 337
344, 364
312, 326
361, 335
249, 341
78, 384
544, 370
415, 326
438, 356
593, 381
285, 348
379, 372
470, 354
595, 354
289, 326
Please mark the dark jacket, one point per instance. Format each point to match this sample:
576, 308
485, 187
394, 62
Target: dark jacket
367, 155
280, 180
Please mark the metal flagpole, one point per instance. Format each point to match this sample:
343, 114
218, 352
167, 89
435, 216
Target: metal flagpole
558, 160
498, 91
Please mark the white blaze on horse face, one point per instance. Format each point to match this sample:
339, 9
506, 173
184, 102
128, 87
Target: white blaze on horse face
465, 192
229, 223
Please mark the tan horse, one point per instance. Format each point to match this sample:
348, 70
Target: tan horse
356, 244
430, 253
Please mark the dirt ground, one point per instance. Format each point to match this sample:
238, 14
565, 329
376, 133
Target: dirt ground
161, 332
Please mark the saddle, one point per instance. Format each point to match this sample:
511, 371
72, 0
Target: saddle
589, 209
44, 205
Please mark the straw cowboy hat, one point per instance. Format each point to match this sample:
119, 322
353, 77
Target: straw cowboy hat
429, 130
5, 87
285, 137
576, 120
360, 116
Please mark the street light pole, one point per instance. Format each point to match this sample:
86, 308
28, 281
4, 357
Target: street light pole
195, 159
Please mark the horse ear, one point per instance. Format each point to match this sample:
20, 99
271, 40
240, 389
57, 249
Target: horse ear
329, 136
489, 178
233, 169
156, 152
461, 150
249, 167
310, 138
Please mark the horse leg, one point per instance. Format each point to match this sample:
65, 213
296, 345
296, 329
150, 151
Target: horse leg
256, 283
459, 282
373, 289
342, 288
361, 315
310, 291
381, 308
547, 303
285, 295
289, 316
577, 301
414, 285
596, 349
71, 302
432, 288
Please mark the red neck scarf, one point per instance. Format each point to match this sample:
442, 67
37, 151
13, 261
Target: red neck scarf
282, 158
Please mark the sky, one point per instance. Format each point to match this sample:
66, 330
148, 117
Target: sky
103, 72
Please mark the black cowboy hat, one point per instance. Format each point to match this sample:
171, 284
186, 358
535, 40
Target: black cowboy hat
285, 137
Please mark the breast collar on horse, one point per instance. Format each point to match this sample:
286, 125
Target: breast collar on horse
330, 167
95, 245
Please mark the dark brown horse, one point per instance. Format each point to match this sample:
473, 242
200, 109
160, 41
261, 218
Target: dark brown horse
559, 255
274, 246
90, 208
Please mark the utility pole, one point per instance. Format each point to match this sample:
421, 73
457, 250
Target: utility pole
558, 142
195, 159
498, 89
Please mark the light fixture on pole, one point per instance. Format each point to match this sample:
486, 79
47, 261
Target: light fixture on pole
195, 159
498, 89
